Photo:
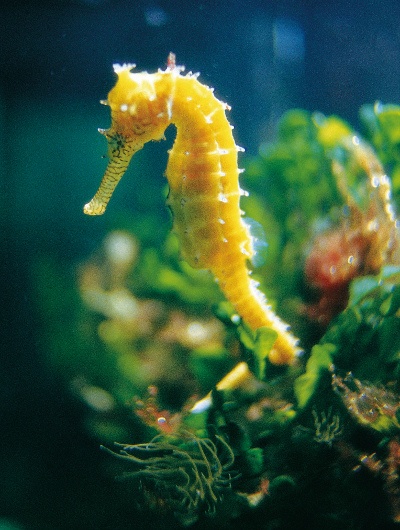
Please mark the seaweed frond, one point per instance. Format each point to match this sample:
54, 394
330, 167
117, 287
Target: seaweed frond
183, 475
328, 427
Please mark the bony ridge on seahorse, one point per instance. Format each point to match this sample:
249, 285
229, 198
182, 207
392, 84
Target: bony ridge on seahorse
203, 177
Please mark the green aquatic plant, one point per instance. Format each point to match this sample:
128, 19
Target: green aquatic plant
363, 339
234, 436
334, 260
328, 427
381, 126
180, 474
371, 405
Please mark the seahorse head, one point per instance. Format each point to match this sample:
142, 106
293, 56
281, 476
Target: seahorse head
140, 103
140, 111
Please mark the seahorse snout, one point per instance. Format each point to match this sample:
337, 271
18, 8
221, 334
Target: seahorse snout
94, 207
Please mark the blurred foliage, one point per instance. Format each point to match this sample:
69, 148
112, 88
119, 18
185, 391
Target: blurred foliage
381, 126
140, 337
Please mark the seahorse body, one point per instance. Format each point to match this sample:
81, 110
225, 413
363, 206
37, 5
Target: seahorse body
203, 177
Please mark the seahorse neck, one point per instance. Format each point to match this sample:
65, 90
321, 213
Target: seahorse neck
192, 111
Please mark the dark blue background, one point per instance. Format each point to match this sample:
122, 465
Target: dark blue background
56, 60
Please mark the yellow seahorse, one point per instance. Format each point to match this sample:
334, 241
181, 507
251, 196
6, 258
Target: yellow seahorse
203, 177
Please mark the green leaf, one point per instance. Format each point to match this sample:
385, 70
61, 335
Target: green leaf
331, 130
389, 121
265, 338
320, 361
254, 460
367, 333
360, 288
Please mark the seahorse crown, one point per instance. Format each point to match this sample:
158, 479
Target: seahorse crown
141, 103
